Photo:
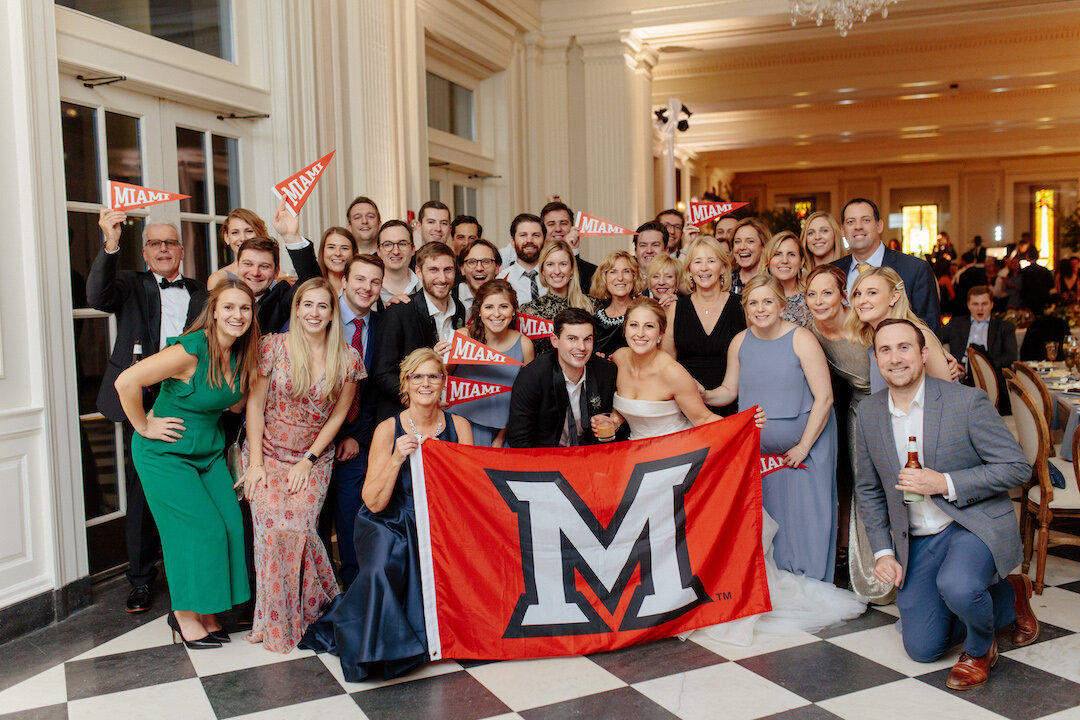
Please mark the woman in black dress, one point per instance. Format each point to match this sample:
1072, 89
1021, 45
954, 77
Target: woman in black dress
703, 323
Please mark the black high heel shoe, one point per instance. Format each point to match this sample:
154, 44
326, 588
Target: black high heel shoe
204, 643
220, 635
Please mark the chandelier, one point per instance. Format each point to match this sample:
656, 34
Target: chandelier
843, 13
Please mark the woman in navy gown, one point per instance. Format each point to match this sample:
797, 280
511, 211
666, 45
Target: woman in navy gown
378, 624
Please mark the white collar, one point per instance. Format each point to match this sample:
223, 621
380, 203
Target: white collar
919, 400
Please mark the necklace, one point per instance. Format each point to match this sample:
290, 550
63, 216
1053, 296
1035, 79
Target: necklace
412, 426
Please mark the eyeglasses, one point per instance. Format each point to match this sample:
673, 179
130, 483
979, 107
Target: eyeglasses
482, 262
155, 244
419, 378
399, 245
671, 226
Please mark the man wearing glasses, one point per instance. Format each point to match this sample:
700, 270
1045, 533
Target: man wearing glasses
150, 306
395, 249
478, 262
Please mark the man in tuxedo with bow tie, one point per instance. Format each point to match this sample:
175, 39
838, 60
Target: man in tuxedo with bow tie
150, 306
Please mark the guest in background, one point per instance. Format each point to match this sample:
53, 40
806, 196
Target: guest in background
616, 283
433, 222
477, 263
493, 322
377, 626
558, 220
674, 221
663, 276
725, 228
179, 451
335, 250
785, 260
1036, 284
558, 273
747, 243
364, 220
703, 323
527, 235
650, 240
1067, 283
996, 338
820, 239
240, 225
396, 252
463, 231
305, 386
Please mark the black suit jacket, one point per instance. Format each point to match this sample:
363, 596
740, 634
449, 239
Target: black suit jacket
1000, 340
404, 328
539, 400
585, 270
1036, 284
135, 299
276, 303
363, 425
919, 282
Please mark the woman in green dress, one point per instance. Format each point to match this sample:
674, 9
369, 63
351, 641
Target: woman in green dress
179, 451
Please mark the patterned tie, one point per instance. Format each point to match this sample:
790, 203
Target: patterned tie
358, 343
534, 289
862, 267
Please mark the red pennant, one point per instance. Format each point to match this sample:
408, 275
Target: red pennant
772, 463
460, 390
533, 327
591, 225
466, 351
703, 212
296, 189
124, 196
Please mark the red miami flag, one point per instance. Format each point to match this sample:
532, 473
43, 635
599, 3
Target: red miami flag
590, 225
533, 327
466, 351
576, 550
296, 189
463, 390
124, 196
703, 212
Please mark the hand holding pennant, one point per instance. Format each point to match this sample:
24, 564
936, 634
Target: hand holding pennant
466, 351
533, 327
296, 189
587, 225
703, 212
124, 196
772, 463
461, 390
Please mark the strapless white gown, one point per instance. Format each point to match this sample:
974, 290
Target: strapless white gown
800, 604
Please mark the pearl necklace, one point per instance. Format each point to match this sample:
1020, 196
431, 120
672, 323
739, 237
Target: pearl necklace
412, 426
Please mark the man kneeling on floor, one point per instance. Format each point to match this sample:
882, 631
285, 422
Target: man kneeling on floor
964, 536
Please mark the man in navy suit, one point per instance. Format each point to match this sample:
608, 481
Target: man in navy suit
360, 323
862, 228
950, 552
996, 338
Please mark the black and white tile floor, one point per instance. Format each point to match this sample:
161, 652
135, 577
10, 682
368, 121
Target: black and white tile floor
93, 666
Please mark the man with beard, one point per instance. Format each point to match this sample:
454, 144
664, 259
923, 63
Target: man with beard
363, 220
558, 220
527, 234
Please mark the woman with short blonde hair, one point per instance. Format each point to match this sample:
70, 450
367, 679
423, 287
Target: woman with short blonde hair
616, 282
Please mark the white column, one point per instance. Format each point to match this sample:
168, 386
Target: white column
549, 114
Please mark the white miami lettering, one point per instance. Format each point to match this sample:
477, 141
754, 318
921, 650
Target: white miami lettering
298, 186
704, 213
596, 226
463, 392
769, 463
535, 327
475, 352
130, 196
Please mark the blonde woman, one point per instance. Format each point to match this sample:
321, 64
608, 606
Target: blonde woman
559, 274
240, 226
821, 239
663, 275
877, 294
306, 382
785, 260
616, 282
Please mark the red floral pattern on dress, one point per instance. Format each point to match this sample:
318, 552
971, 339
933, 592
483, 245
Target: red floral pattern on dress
294, 577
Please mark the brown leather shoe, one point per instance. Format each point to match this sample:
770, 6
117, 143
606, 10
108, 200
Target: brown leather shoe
972, 672
1026, 627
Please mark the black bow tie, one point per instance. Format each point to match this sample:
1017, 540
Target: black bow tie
177, 283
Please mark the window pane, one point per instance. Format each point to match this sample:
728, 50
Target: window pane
196, 239
226, 174
470, 202
450, 107
101, 494
224, 252
462, 103
191, 168
84, 243
433, 190
122, 143
203, 25
79, 125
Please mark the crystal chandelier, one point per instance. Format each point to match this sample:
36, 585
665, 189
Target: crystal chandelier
843, 13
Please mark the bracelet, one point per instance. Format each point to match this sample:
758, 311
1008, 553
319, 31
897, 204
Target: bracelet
252, 467
311, 457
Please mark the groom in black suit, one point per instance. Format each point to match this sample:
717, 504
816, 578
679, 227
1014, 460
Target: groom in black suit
150, 306
556, 395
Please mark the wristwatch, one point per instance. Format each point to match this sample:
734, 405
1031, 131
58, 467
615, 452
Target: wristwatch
311, 457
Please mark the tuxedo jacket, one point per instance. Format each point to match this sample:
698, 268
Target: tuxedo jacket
919, 282
962, 435
135, 299
585, 270
539, 400
404, 328
276, 303
1000, 339
362, 426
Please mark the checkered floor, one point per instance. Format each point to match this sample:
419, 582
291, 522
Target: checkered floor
858, 670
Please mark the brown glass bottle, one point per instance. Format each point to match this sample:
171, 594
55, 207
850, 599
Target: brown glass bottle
912, 462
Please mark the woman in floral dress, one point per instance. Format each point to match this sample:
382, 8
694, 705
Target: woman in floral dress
307, 380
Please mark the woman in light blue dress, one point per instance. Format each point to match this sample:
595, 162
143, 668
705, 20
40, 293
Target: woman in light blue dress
492, 321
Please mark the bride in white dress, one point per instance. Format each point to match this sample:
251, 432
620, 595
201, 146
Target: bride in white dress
657, 396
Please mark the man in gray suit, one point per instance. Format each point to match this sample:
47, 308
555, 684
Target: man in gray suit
963, 535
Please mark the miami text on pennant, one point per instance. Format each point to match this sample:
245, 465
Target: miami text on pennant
703, 212
533, 327
296, 189
591, 225
124, 196
466, 351
462, 390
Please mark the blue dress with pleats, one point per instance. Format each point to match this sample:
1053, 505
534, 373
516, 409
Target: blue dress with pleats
378, 624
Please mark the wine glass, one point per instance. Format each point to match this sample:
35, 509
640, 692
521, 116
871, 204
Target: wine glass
1051, 351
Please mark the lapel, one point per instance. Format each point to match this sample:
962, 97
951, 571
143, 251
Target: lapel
991, 334
932, 412
887, 438
369, 348
153, 312
558, 383
963, 330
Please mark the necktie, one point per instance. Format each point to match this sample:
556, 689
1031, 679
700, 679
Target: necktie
862, 267
358, 343
177, 283
534, 289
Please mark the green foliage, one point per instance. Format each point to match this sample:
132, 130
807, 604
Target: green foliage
782, 218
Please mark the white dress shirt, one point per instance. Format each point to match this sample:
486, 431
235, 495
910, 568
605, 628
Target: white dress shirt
875, 260
174, 307
924, 518
573, 390
515, 275
414, 284
507, 256
349, 321
979, 332
444, 319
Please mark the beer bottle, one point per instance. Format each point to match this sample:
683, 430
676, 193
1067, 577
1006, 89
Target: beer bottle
912, 462
136, 353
